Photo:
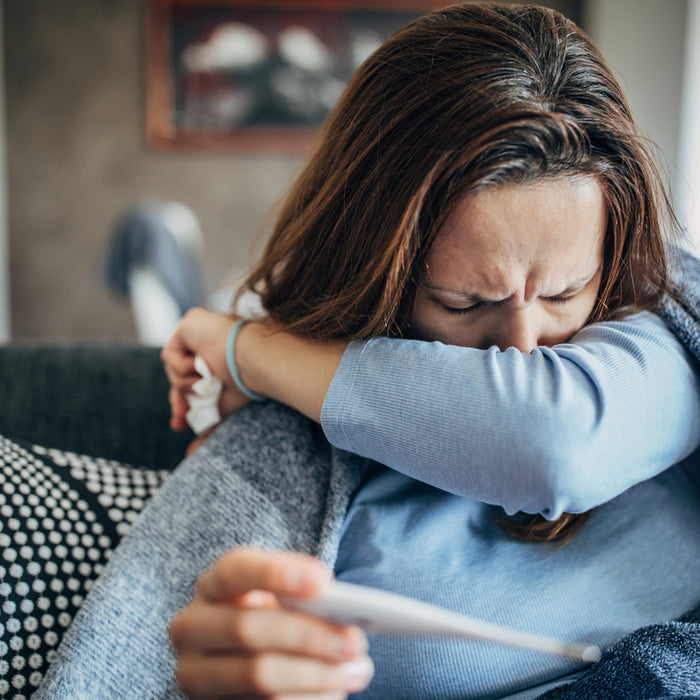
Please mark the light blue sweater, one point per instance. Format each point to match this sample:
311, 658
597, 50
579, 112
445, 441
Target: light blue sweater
268, 477
561, 429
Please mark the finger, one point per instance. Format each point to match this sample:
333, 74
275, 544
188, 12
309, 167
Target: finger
269, 674
182, 383
173, 345
178, 408
182, 380
197, 443
178, 425
332, 695
216, 628
178, 401
175, 351
282, 573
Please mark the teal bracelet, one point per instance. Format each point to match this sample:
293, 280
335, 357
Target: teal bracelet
231, 362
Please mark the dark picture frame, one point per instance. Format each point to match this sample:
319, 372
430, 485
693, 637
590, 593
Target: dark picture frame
256, 75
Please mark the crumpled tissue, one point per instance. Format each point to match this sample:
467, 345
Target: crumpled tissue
203, 413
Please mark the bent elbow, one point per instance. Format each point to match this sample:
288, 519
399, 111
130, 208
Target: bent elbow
563, 477
565, 442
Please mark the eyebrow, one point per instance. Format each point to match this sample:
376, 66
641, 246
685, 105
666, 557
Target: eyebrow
474, 298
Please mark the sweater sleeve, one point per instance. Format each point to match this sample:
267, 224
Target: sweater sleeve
559, 429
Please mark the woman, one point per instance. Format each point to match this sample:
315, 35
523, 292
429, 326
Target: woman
481, 184
534, 217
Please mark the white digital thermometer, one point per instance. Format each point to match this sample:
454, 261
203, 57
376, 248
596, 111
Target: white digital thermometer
381, 612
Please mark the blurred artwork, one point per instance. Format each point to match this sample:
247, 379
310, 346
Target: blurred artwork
242, 69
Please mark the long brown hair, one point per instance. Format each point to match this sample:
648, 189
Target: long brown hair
471, 96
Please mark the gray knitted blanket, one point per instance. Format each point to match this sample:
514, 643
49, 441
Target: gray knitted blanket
267, 477
681, 320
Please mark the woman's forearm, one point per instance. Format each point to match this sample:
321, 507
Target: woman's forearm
290, 369
562, 428
559, 429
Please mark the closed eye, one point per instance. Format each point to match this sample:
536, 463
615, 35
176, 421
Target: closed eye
560, 299
477, 304
484, 304
466, 309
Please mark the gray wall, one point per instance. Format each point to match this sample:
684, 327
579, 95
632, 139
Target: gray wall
688, 182
4, 236
644, 42
77, 159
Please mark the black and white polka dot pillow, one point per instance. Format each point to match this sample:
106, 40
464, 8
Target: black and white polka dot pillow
61, 516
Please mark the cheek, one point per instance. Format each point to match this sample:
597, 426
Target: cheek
589, 297
422, 319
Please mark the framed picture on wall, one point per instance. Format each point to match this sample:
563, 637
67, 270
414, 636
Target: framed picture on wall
256, 75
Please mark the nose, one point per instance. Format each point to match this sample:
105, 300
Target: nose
519, 329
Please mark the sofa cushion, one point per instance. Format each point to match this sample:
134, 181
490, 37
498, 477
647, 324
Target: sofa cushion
106, 400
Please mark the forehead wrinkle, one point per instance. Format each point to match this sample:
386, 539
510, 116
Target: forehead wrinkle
490, 285
478, 294
581, 281
496, 246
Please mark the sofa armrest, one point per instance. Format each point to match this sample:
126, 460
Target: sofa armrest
103, 400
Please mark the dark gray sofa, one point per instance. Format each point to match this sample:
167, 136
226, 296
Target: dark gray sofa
99, 399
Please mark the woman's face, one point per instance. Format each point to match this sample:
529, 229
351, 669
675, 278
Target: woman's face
514, 266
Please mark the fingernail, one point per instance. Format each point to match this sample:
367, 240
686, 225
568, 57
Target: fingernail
344, 646
299, 580
357, 673
362, 642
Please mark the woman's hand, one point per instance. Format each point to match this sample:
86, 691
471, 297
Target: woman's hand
235, 641
282, 366
200, 332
